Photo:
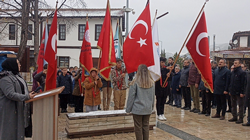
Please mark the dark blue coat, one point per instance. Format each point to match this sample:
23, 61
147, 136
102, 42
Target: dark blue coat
221, 80
65, 81
175, 83
237, 83
184, 76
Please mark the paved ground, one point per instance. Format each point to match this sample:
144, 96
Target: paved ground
180, 124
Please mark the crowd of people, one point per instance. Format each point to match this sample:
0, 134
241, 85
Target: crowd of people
231, 91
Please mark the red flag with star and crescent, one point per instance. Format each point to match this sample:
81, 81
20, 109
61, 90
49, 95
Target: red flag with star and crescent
138, 46
198, 48
50, 55
86, 53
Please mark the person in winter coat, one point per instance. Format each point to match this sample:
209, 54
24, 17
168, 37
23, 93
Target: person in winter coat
185, 89
194, 81
161, 90
106, 92
78, 92
236, 90
221, 88
169, 67
141, 102
247, 99
119, 85
41, 76
92, 85
176, 91
64, 80
13, 92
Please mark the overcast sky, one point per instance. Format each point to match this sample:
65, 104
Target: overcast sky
224, 17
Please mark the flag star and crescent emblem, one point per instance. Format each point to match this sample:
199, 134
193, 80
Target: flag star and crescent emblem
199, 38
138, 44
198, 48
141, 41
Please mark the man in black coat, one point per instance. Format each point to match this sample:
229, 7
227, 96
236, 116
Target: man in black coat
64, 80
169, 91
161, 90
41, 76
247, 99
221, 88
237, 91
185, 90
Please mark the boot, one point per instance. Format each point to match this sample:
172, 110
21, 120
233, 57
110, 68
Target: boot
239, 121
216, 116
222, 118
234, 119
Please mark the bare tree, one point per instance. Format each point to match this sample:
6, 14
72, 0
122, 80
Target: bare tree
23, 11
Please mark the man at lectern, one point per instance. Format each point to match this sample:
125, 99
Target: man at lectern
13, 93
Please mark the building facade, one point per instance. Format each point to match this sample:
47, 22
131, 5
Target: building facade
71, 27
240, 49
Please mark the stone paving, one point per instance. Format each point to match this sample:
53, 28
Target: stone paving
180, 124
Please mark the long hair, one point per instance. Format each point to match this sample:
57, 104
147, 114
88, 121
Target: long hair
143, 77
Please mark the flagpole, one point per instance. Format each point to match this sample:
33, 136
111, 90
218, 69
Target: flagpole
186, 40
154, 18
162, 15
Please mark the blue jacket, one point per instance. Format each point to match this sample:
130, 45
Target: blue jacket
175, 83
221, 80
65, 81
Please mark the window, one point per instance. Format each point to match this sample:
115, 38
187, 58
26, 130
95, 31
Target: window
30, 32
12, 32
49, 25
81, 30
62, 32
98, 28
63, 61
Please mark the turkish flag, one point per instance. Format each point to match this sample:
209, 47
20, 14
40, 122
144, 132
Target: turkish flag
106, 45
198, 48
86, 53
50, 55
41, 54
138, 46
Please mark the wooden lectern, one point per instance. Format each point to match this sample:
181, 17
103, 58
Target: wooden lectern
45, 113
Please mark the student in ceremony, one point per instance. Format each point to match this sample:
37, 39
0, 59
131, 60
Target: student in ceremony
41, 76
176, 91
92, 85
141, 102
161, 90
106, 93
78, 92
119, 85
64, 80
14, 117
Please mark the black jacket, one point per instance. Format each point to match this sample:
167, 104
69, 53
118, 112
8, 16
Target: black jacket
65, 81
105, 83
221, 80
172, 73
175, 83
40, 78
247, 89
159, 90
184, 76
237, 81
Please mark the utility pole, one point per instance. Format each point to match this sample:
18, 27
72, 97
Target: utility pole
127, 17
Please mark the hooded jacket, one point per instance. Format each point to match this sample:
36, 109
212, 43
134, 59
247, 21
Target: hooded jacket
92, 88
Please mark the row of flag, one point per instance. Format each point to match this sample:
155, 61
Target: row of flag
140, 47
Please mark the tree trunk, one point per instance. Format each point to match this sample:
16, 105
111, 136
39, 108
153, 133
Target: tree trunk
24, 28
36, 32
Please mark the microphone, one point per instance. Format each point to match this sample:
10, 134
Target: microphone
38, 89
